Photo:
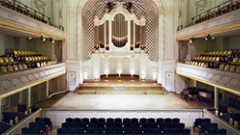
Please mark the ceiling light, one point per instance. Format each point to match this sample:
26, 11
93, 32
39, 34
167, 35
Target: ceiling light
208, 37
191, 40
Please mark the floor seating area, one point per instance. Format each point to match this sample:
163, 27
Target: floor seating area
17, 60
227, 60
123, 126
204, 126
40, 126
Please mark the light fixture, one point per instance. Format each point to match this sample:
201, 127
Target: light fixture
29, 38
191, 40
208, 37
42, 38
213, 38
52, 40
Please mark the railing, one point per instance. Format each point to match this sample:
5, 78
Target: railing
16, 129
216, 11
221, 123
28, 11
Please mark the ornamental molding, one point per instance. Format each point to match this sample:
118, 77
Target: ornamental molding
39, 4
22, 79
221, 78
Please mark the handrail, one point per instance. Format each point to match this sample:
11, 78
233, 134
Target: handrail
29, 9
195, 18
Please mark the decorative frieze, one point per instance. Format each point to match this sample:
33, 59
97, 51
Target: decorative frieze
215, 77
28, 78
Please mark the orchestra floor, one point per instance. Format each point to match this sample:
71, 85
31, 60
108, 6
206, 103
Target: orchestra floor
73, 100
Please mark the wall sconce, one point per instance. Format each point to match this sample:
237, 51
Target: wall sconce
191, 40
52, 40
42, 38
208, 37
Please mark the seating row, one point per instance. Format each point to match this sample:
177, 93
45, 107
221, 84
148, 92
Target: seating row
123, 126
122, 121
21, 9
233, 6
20, 67
124, 131
40, 126
225, 67
204, 126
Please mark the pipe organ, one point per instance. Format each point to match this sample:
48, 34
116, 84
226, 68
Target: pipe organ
119, 30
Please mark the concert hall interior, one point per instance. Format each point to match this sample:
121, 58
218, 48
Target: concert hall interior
120, 67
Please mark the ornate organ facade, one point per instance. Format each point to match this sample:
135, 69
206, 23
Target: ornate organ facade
119, 30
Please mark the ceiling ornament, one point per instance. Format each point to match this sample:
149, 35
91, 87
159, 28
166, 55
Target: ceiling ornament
39, 4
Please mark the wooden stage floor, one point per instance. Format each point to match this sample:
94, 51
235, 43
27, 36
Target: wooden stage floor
73, 100
133, 94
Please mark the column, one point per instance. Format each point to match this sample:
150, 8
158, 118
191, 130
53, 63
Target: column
29, 97
194, 83
216, 97
47, 88
0, 109
56, 12
2, 43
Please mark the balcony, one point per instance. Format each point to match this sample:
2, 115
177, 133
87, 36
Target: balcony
15, 23
224, 25
227, 81
15, 82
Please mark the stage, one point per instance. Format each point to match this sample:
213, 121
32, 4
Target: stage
125, 92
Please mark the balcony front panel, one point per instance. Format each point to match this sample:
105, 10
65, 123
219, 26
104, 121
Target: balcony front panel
17, 81
221, 79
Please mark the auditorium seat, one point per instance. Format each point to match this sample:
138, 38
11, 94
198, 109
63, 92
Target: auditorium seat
175, 120
117, 120
167, 120
110, 120
126, 120
143, 120
134, 120
151, 120
160, 120
102, 120
77, 120
93, 120
85, 120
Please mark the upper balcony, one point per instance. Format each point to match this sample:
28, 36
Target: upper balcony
220, 21
17, 19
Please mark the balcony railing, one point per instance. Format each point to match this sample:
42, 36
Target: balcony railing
28, 11
228, 81
221, 9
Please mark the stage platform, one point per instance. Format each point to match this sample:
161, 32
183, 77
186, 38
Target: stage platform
124, 84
